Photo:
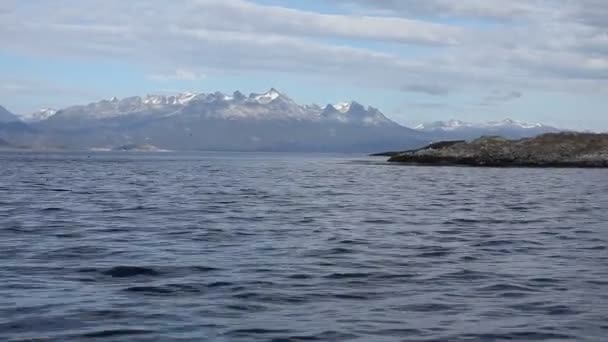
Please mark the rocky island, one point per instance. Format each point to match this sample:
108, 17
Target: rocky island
547, 150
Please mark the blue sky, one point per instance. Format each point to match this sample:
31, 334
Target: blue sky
417, 60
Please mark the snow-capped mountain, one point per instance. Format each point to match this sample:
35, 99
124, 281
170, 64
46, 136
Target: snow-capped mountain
268, 121
452, 125
465, 130
271, 105
267, 97
355, 112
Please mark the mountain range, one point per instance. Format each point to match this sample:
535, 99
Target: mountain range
269, 121
456, 129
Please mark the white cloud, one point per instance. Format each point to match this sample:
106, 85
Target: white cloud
180, 74
239, 15
528, 44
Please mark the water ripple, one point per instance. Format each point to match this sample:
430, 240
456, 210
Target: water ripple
270, 247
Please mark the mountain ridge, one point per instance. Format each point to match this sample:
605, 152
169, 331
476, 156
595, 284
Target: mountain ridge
269, 105
269, 121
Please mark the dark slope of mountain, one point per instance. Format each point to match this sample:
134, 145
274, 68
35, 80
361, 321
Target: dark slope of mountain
6, 116
258, 122
18, 131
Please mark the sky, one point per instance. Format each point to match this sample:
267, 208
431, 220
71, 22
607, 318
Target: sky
416, 60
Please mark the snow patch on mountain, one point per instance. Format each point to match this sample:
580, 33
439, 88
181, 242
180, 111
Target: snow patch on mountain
180, 99
353, 112
267, 97
453, 125
39, 115
343, 107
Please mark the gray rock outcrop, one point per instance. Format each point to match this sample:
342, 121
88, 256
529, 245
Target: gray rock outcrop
547, 150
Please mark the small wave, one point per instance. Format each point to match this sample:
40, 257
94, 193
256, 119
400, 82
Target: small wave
59, 190
518, 336
544, 308
168, 289
205, 269
460, 221
465, 274
300, 276
399, 333
494, 243
505, 287
116, 333
270, 298
393, 276
323, 336
220, 284
130, 271
352, 242
329, 252
597, 282
427, 307
246, 307
348, 275
434, 252
544, 280
256, 331
51, 209
340, 250
135, 208
354, 296
518, 208
378, 221
81, 252
149, 289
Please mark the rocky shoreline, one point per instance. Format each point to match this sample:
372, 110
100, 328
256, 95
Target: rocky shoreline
586, 150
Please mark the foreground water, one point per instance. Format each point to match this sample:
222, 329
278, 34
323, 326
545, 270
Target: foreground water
270, 247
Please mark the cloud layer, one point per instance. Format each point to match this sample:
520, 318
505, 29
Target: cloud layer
427, 47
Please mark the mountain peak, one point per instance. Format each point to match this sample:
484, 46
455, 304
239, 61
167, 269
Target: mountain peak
342, 107
354, 112
237, 95
267, 97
